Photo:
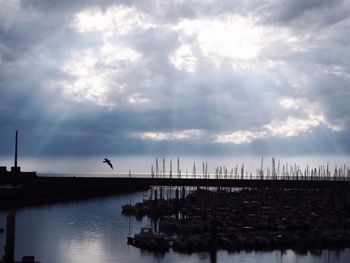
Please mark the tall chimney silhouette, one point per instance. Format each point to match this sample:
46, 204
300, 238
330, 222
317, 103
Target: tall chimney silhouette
16, 149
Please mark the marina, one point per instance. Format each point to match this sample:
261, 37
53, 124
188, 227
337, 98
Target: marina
257, 219
95, 230
276, 209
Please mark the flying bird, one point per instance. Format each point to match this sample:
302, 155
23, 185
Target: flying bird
107, 161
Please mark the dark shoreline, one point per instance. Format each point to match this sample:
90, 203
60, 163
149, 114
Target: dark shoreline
24, 191
27, 188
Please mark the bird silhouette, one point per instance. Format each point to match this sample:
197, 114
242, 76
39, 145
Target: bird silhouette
107, 161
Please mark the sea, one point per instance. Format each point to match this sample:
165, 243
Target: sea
95, 230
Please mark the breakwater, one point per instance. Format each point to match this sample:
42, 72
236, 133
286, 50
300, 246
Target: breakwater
25, 190
22, 189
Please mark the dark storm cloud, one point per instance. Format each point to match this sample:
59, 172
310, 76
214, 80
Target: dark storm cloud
52, 106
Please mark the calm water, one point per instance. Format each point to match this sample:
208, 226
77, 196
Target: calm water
96, 231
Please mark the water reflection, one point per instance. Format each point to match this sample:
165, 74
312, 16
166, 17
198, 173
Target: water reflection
96, 231
10, 236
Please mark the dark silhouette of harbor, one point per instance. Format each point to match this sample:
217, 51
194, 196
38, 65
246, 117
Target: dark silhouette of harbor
248, 219
225, 210
26, 188
21, 188
15, 170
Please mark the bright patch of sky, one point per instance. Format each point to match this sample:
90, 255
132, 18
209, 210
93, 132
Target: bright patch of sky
151, 76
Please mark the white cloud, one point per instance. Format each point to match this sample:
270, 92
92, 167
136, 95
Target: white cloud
111, 52
117, 19
240, 137
292, 126
233, 36
86, 83
183, 59
170, 136
93, 74
289, 103
288, 128
137, 99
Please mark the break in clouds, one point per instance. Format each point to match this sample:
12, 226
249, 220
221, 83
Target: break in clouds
132, 77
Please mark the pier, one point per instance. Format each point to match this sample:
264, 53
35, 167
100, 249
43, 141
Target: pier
23, 190
147, 180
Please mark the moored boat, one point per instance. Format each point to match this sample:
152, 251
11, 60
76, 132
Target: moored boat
148, 240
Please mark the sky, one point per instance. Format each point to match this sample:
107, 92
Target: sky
88, 78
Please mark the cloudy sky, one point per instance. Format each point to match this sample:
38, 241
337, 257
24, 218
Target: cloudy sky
175, 77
